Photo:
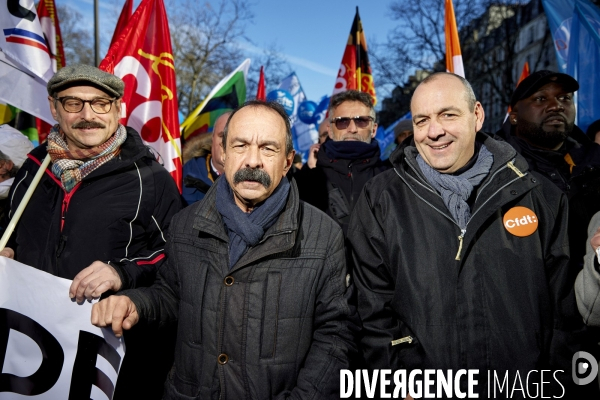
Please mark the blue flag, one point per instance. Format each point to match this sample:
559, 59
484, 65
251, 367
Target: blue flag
575, 27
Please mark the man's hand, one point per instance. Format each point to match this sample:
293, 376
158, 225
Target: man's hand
8, 253
94, 280
312, 155
595, 241
118, 312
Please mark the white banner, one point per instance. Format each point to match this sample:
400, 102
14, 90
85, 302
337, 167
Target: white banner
48, 347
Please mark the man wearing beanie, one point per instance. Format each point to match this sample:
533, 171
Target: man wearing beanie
543, 130
99, 213
346, 161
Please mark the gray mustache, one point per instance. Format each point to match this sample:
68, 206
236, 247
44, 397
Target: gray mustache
88, 125
252, 174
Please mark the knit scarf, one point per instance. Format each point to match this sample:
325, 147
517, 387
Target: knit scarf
456, 189
246, 230
350, 150
71, 166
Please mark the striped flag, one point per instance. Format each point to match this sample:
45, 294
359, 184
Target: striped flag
50, 26
454, 61
355, 70
229, 93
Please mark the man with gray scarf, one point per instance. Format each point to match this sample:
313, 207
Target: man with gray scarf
460, 253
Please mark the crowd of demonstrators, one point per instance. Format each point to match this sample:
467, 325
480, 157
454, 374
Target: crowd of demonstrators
99, 213
203, 162
444, 282
14, 147
543, 131
265, 316
463, 248
335, 174
587, 285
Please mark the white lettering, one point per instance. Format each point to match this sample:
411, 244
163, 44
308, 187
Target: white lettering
346, 376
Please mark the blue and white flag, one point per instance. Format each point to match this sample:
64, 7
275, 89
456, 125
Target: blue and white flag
575, 27
303, 135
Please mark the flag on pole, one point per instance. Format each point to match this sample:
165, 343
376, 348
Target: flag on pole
50, 26
575, 28
524, 74
261, 91
454, 61
355, 70
25, 64
123, 20
229, 93
143, 58
303, 135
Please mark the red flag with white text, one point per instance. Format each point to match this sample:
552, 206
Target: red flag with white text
142, 56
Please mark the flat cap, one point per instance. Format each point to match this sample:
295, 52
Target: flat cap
84, 75
533, 82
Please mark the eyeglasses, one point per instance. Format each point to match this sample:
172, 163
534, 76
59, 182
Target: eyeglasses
72, 104
344, 122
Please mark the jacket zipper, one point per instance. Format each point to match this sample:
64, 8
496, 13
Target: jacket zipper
509, 164
351, 184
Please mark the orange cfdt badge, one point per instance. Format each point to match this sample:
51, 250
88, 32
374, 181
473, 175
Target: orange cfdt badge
520, 221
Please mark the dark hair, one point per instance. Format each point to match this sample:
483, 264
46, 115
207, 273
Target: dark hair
593, 129
271, 105
351, 95
470, 95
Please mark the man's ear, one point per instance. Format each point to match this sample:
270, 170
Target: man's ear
289, 159
374, 130
479, 116
512, 117
52, 104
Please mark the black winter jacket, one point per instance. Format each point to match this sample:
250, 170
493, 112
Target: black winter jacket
334, 186
275, 326
480, 299
118, 214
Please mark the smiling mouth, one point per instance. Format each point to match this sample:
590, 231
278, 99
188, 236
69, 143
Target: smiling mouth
441, 147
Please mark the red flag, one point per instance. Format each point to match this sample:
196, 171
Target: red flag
524, 74
142, 56
261, 91
454, 62
123, 20
355, 71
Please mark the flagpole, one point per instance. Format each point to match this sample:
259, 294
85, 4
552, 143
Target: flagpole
15, 218
96, 34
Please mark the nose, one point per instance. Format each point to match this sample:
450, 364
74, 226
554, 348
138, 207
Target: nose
352, 128
87, 113
253, 158
435, 129
554, 104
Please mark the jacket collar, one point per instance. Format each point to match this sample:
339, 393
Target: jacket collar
279, 238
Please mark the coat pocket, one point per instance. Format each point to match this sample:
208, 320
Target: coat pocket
270, 315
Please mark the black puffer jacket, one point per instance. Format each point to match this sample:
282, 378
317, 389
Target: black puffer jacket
275, 326
118, 214
334, 185
481, 299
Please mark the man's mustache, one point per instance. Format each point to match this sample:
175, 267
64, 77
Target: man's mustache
252, 174
88, 125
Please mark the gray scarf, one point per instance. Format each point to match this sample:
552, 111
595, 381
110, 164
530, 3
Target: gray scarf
456, 189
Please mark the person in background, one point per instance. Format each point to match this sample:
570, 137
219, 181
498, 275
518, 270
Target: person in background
14, 147
344, 162
587, 285
593, 131
203, 165
402, 130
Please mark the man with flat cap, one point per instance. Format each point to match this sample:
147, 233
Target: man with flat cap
99, 213
543, 130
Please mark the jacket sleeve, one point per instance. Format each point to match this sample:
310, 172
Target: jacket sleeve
333, 331
159, 303
587, 285
140, 270
374, 284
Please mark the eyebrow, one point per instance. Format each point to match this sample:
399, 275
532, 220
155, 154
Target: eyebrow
441, 111
269, 143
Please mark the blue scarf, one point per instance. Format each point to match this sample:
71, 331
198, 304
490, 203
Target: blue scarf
246, 230
456, 189
350, 150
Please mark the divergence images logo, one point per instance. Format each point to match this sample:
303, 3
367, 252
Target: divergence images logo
584, 367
